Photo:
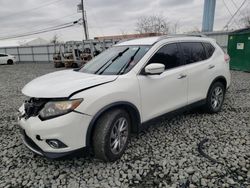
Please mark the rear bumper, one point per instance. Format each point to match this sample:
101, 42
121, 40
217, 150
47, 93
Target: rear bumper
30, 144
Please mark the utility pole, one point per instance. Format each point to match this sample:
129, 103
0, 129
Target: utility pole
208, 15
84, 22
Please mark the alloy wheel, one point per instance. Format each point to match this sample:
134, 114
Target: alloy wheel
119, 135
217, 97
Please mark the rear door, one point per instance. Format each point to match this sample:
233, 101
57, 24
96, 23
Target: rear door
200, 68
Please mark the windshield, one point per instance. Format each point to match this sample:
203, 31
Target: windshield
116, 60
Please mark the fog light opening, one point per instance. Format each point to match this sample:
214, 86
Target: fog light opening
38, 137
56, 144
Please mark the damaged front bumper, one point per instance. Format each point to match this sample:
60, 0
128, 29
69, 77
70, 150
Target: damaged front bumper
69, 129
28, 142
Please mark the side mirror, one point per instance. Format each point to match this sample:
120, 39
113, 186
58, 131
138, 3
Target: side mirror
154, 68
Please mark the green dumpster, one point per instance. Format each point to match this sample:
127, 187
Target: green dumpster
239, 49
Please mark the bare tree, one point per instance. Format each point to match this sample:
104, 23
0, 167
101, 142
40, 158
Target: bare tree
153, 24
124, 33
174, 27
246, 19
55, 39
194, 30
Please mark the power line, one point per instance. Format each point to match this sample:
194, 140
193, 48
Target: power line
35, 33
28, 10
49, 29
227, 7
235, 13
37, 25
234, 4
230, 12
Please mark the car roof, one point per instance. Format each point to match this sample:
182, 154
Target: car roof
153, 40
140, 41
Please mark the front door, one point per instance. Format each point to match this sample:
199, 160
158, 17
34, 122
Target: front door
165, 92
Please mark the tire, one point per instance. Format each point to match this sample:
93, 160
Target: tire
58, 65
215, 98
106, 139
74, 65
10, 62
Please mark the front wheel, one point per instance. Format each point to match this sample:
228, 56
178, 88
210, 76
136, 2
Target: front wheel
215, 98
111, 135
10, 62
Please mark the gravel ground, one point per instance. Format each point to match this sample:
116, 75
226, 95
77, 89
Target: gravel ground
165, 155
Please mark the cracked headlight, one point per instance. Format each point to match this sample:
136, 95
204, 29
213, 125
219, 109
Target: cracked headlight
54, 109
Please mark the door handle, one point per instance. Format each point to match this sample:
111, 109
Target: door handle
181, 76
211, 66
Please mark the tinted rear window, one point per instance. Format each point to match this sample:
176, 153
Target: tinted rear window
210, 49
193, 52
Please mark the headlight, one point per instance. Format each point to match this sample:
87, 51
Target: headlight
54, 109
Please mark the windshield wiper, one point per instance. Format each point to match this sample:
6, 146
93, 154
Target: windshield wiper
113, 60
120, 54
124, 67
103, 66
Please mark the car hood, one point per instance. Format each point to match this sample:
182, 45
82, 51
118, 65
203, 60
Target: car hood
62, 84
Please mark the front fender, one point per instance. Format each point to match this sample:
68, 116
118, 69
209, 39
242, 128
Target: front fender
96, 100
98, 97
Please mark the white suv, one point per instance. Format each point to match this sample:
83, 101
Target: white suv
117, 93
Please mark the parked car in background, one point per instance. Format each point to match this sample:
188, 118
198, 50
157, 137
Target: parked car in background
115, 94
7, 59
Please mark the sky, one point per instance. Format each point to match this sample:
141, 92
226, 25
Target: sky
108, 17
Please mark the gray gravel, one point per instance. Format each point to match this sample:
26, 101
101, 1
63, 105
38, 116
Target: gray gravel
164, 156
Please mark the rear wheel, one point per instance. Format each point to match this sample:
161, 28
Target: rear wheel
111, 135
57, 65
215, 98
10, 62
74, 65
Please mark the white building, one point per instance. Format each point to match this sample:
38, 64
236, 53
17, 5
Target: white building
23, 42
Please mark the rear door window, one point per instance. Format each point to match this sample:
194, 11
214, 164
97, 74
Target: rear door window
193, 52
209, 48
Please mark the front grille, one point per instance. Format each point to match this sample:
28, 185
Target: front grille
33, 106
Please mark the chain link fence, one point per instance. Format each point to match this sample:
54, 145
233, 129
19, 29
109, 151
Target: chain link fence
44, 53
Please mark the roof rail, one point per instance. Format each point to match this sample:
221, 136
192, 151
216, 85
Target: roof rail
124, 40
181, 35
195, 34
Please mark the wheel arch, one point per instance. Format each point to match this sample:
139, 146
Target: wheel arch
129, 107
221, 79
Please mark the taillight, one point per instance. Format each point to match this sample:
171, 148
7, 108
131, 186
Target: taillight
226, 58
